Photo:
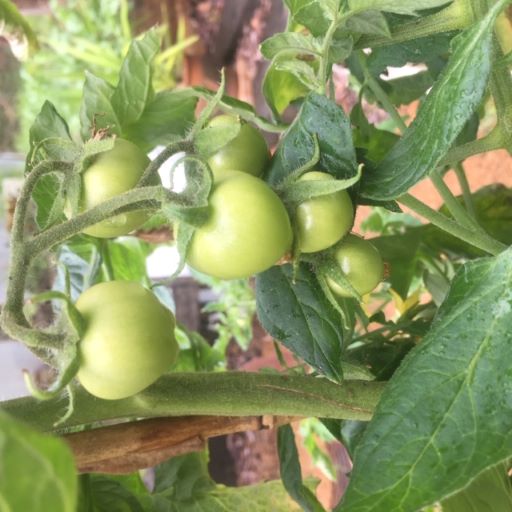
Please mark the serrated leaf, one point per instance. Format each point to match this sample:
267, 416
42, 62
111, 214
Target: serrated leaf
290, 43
297, 313
170, 114
291, 475
301, 70
134, 89
311, 14
38, 472
369, 22
128, 259
96, 110
211, 139
322, 118
281, 87
401, 7
441, 117
446, 414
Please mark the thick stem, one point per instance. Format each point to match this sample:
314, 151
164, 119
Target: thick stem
456, 16
477, 239
218, 394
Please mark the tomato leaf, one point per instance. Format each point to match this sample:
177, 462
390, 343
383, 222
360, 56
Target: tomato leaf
297, 313
38, 472
446, 414
134, 89
211, 139
291, 472
170, 114
320, 117
96, 110
290, 43
402, 7
441, 117
369, 22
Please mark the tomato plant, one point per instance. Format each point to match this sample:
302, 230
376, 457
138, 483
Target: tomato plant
113, 172
128, 340
247, 152
361, 264
247, 231
322, 221
414, 381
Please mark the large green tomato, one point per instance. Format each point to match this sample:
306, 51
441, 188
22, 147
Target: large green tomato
323, 220
114, 172
247, 152
128, 341
247, 232
361, 263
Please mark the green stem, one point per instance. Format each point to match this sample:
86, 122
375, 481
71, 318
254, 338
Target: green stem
220, 394
452, 203
324, 60
494, 140
380, 94
466, 191
477, 239
106, 260
456, 16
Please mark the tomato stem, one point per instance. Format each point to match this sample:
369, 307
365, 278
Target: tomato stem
219, 394
478, 239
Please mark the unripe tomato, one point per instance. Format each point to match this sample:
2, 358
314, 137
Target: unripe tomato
247, 152
248, 229
323, 220
114, 172
128, 342
361, 263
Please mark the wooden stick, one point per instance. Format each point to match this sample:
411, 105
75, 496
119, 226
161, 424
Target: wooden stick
127, 447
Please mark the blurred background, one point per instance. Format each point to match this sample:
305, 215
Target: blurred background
199, 38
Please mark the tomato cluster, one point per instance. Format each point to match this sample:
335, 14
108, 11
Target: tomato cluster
129, 339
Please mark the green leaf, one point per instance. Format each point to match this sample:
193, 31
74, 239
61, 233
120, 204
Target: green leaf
441, 117
297, 313
281, 87
401, 7
128, 259
369, 22
102, 493
320, 117
211, 139
310, 13
134, 89
170, 114
400, 253
96, 110
291, 44
15, 27
446, 414
301, 70
37, 471
291, 472
491, 491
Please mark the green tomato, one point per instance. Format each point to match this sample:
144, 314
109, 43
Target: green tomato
323, 220
247, 232
361, 263
112, 173
247, 152
128, 341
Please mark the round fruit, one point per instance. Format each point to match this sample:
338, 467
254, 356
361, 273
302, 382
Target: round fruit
247, 152
128, 341
323, 220
112, 173
361, 263
248, 229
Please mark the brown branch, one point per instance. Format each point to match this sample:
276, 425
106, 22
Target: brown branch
127, 447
